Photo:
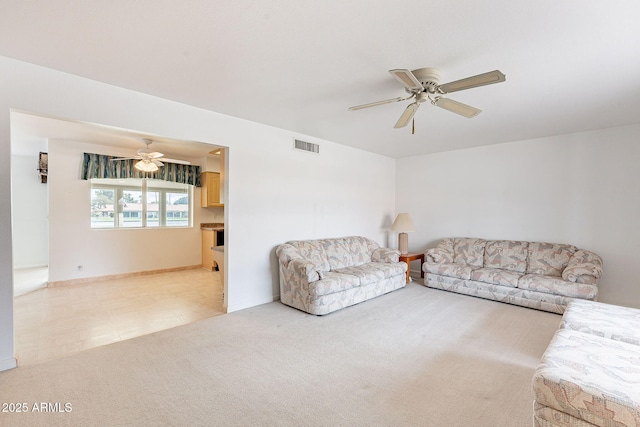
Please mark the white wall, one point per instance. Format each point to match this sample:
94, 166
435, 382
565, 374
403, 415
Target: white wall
29, 206
273, 193
580, 189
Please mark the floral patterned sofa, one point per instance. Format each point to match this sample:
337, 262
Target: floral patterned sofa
321, 276
545, 276
590, 373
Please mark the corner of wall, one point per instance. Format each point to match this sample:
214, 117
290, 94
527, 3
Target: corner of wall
7, 364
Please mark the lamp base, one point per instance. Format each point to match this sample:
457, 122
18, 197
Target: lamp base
403, 243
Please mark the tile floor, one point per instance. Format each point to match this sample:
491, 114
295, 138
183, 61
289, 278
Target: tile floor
52, 322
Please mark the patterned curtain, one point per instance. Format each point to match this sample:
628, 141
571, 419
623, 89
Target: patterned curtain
100, 166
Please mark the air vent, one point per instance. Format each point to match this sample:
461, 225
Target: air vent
306, 146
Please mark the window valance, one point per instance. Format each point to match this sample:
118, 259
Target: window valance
101, 166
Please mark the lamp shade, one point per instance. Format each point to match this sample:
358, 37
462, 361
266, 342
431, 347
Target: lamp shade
146, 166
403, 223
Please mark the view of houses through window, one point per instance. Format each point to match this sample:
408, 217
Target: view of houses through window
136, 203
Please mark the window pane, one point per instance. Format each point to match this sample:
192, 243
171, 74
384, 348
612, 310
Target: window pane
177, 209
131, 208
136, 203
153, 206
102, 215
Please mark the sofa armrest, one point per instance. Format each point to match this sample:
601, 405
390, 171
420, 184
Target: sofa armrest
438, 256
584, 267
291, 260
385, 255
286, 253
304, 269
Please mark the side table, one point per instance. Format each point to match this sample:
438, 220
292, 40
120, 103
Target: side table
412, 256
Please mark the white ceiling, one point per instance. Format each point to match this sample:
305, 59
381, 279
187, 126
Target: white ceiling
31, 133
571, 65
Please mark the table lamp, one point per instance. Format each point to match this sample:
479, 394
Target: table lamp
403, 224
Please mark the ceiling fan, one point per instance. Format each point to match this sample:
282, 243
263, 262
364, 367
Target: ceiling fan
149, 161
424, 83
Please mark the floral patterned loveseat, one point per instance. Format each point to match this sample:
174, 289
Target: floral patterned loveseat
321, 276
545, 276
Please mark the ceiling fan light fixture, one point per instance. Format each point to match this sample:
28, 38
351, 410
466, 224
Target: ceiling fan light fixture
146, 166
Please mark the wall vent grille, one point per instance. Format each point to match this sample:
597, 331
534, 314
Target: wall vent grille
306, 146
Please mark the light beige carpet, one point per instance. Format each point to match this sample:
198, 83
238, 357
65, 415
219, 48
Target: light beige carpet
414, 357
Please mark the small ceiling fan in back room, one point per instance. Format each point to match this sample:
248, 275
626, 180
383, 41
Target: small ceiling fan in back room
149, 161
424, 84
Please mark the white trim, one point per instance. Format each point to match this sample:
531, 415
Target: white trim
30, 267
239, 307
7, 364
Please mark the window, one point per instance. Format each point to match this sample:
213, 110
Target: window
140, 203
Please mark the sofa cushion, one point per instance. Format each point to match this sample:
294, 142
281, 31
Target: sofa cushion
333, 282
497, 276
605, 320
446, 244
549, 259
557, 286
590, 378
451, 270
468, 251
348, 251
507, 294
374, 271
506, 254
444, 251
439, 255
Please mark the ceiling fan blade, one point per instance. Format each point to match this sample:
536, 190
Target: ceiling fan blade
180, 162
475, 81
156, 162
407, 115
149, 154
373, 104
126, 158
407, 78
457, 107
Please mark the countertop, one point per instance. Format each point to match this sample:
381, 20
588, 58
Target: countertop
216, 226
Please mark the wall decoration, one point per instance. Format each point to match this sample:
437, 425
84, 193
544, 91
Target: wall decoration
43, 166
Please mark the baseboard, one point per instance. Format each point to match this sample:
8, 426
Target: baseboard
84, 280
239, 307
415, 274
7, 364
29, 267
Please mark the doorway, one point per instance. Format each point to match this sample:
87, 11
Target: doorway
63, 260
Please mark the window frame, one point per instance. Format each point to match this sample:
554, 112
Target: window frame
144, 186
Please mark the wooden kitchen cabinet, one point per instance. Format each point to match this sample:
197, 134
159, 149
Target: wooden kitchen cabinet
207, 253
210, 191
